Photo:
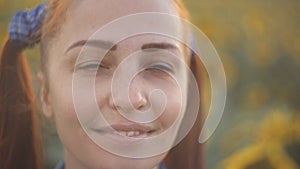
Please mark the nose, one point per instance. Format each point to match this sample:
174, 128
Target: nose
134, 97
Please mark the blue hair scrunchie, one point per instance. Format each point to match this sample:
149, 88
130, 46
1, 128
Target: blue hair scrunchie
24, 25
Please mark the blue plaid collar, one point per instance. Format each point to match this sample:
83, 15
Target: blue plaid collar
61, 165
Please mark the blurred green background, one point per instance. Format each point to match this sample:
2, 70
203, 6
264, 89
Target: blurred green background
259, 44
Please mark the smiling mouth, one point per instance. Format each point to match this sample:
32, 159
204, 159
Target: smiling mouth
127, 133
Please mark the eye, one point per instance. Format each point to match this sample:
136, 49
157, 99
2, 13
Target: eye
91, 66
161, 67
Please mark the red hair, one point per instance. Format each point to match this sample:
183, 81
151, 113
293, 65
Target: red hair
188, 154
20, 140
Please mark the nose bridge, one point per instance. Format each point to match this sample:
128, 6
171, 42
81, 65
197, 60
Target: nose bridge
137, 92
129, 86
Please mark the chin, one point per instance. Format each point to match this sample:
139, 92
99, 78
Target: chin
117, 162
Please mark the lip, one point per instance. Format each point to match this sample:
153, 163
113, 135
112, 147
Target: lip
116, 133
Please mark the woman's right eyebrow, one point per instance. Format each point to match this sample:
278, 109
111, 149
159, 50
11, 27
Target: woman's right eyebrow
94, 43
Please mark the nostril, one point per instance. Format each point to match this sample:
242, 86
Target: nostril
129, 101
138, 97
139, 102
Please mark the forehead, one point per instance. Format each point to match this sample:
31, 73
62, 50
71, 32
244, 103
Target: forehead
84, 18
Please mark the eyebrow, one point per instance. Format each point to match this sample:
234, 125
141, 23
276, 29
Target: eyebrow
162, 45
111, 46
94, 43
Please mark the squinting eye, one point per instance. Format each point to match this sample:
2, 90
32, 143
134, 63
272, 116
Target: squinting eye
91, 66
160, 68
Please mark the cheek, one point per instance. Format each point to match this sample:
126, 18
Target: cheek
173, 106
61, 96
60, 89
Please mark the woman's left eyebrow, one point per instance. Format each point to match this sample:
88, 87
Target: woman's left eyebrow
162, 45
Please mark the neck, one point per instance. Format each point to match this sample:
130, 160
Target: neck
71, 162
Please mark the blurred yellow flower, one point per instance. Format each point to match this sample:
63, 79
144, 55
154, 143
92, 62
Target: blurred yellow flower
267, 150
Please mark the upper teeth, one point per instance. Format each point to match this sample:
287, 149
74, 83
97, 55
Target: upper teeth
127, 133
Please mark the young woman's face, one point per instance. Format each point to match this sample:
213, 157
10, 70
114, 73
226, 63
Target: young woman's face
83, 19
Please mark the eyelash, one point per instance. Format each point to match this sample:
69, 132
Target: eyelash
157, 69
160, 67
91, 65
